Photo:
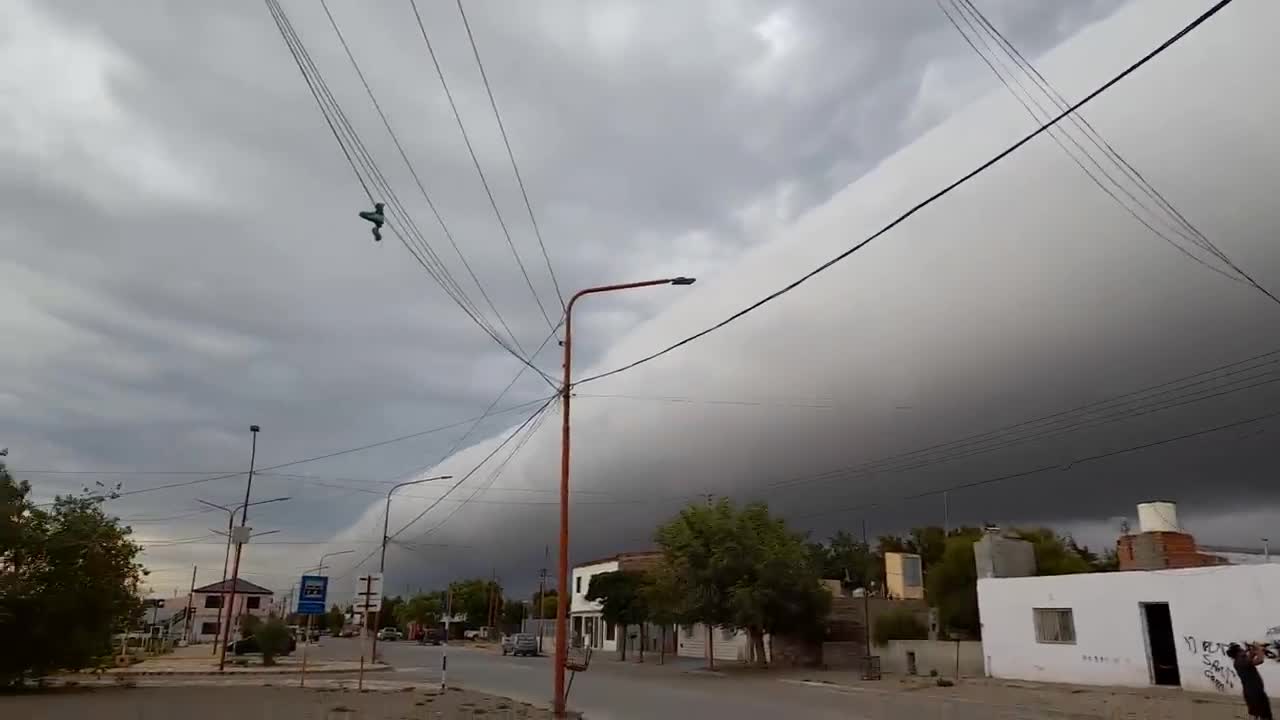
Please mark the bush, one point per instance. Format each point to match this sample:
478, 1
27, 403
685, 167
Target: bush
249, 625
273, 639
899, 624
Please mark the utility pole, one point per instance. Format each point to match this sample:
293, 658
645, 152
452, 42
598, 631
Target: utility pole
946, 514
562, 570
244, 533
382, 562
542, 593
866, 603
444, 649
186, 625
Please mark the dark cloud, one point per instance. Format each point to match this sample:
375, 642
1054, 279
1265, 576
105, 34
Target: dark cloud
181, 258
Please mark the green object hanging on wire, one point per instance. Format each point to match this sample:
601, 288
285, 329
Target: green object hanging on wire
376, 217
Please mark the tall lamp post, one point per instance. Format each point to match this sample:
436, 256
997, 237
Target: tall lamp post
382, 561
243, 533
562, 600
226, 556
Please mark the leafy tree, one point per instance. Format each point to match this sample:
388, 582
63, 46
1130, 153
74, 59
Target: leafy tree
389, 612
423, 609
513, 613
899, 624
335, 620
249, 625
472, 597
272, 638
1055, 554
68, 580
743, 569
663, 597
845, 559
622, 601
952, 585
550, 605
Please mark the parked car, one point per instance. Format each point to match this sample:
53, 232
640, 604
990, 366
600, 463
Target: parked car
470, 634
520, 644
350, 632
248, 645
390, 634
430, 636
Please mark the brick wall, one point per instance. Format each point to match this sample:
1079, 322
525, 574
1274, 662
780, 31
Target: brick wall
1162, 550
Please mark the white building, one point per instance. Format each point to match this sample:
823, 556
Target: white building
730, 645
1137, 628
251, 599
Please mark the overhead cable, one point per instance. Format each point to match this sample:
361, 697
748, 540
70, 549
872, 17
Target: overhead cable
1217, 7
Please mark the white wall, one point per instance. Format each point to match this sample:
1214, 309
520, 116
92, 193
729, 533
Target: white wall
735, 648
1210, 607
932, 656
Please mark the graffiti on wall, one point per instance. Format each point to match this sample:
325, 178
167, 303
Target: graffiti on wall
1217, 667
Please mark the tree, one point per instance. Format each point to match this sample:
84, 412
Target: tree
550, 604
472, 598
389, 613
335, 620
272, 638
899, 624
743, 569
663, 597
952, 585
423, 609
249, 625
622, 602
845, 559
68, 580
513, 613
1055, 554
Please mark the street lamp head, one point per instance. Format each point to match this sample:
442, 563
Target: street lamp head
254, 428
683, 280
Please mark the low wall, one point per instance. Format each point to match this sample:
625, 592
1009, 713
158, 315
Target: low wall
932, 655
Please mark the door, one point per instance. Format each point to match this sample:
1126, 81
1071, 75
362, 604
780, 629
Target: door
1160, 643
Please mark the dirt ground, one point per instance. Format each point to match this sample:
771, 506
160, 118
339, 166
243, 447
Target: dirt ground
258, 703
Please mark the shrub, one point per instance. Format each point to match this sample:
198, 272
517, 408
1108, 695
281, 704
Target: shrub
273, 639
899, 624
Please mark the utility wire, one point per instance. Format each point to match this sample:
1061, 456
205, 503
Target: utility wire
537, 413
925, 202
416, 179
1100, 412
1061, 466
512, 156
1174, 219
476, 161
362, 164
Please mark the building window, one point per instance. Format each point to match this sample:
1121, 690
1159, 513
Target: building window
577, 584
608, 630
253, 602
1055, 625
687, 630
213, 601
727, 634
911, 575
209, 628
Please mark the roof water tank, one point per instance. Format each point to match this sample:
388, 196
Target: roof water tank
1159, 516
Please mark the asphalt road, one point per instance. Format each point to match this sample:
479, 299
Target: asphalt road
618, 691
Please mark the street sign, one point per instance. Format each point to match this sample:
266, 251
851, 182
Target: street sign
312, 591
368, 596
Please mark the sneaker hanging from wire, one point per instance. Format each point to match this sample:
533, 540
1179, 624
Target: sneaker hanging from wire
376, 217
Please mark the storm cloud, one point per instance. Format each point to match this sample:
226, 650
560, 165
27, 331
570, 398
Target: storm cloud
181, 259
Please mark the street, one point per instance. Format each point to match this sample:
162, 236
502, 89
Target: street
616, 691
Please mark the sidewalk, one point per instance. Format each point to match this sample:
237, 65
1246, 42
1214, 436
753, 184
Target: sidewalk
199, 660
1112, 703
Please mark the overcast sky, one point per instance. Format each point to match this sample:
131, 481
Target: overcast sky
180, 257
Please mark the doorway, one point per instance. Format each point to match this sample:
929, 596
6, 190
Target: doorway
1161, 646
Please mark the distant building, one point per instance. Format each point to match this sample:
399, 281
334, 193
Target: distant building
586, 624
999, 556
903, 576
251, 599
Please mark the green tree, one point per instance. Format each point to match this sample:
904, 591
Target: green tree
423, 609
622, 602
899, 624
472, 598
664, 597
550, 603
249, 625
272, 637
513, 613
389, 613
68, 580
335, 620
845, 559
1055, 554
744, 569
952, 586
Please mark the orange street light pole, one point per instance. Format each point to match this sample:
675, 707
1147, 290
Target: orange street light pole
562, 601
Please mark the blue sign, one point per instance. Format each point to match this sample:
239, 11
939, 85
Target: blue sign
311, 594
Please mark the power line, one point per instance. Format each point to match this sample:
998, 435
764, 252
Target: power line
1177, 222
1062, 466
476, 161
358, 157
706, 401
1153, 398
473, 470
325, 456
514, 167
414, 173
923, 203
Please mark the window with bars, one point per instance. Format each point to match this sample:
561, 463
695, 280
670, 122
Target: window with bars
213, 601
1055, 626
